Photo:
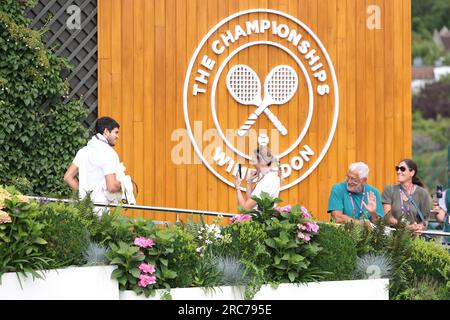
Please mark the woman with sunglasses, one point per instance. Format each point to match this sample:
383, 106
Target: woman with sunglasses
408, 200
263, 179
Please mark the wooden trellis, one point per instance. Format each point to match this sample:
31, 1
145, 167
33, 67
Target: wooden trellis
78, 45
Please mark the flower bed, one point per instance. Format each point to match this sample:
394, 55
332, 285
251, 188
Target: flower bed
254, 251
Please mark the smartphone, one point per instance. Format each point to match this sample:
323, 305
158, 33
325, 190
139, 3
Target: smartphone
439, 191
240, 170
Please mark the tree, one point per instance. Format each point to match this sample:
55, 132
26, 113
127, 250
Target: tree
39, 133
434, 100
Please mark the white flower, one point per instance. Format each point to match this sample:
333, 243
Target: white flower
199, 250
208, 241
200, 237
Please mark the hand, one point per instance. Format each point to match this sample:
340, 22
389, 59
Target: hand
420, 227
252, 177
371, 205
393, 221
436, 208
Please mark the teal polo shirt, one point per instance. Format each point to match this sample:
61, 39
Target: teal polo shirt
340, 200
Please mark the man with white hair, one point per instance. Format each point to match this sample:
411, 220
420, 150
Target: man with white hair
355, 200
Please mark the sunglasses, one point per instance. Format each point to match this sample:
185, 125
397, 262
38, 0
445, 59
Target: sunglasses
402, 169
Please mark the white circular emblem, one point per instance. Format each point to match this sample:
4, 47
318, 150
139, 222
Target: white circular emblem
267, 81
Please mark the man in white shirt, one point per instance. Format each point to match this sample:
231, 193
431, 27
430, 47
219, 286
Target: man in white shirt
96, 164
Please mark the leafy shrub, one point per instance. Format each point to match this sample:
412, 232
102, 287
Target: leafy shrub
67, 238
338, 254
171, 251
245, 241
429, 258
425, 289
21, 237
184, 256
289, 230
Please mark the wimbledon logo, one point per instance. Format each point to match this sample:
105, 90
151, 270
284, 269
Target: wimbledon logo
261, 73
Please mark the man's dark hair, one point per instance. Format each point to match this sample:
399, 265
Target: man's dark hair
106, 123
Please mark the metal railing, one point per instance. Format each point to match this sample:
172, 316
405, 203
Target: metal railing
177, 212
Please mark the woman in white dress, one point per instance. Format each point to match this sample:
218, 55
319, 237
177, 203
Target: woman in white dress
264, 178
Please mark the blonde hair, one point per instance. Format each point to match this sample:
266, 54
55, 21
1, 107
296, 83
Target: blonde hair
262, 152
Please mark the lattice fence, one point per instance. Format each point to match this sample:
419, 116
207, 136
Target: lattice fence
77, 44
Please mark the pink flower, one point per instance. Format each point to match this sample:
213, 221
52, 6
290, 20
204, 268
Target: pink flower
241, 218
285, 209
306, 214
144, 242
304, 236
301, 227
314, 227
147, 268
145, 280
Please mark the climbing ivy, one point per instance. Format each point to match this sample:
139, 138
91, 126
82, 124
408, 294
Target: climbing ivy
39, 133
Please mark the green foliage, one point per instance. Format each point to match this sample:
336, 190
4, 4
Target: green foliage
399, 250
429, 258
423, 46
424, 289
429, 15
338, 254
246, 242
127, 258
21, 241
183, 257
206, 273
67, 238
38, 140
430, 140
290, 255
173, 254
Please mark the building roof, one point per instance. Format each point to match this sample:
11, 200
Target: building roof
422, 73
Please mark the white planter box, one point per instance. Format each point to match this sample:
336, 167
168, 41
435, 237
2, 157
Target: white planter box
78, 283
335, 290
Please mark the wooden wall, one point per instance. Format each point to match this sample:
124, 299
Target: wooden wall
144, 50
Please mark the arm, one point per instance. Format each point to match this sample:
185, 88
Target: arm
387, 211
440, 213
112, 184
246, 202
341, 218
70, 177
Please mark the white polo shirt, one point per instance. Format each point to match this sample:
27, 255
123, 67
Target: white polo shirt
94, 161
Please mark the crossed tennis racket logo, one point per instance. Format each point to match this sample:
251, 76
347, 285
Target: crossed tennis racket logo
244, 86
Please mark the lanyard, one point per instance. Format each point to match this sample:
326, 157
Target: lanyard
353, 204
409, 196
